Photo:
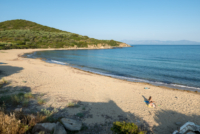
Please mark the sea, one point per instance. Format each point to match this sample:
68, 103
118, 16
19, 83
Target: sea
174, 66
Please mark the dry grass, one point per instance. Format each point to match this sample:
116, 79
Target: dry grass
18, 123
9, 124
16, 99
28, 95
40, 101
3, 82
71, 104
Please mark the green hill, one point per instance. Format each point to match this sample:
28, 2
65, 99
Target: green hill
17, 34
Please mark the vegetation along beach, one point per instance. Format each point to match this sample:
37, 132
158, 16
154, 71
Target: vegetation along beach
57, 82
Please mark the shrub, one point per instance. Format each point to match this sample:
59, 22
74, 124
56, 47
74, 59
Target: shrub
125, 128
48, 112
17, 123
16, 99
5, 99
80, 115
4, 81
25, 102
8, 124
40, 101
71, 104
28, 95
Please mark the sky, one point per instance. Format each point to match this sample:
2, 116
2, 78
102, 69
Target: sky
112, 19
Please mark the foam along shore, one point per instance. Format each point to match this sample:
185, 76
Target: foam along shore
101, 99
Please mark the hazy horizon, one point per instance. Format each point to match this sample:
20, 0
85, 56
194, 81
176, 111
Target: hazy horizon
159, 42
118, 20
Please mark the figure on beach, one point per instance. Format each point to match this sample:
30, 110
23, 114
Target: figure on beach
151, 102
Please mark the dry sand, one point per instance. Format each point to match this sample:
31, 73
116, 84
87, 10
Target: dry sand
104, 98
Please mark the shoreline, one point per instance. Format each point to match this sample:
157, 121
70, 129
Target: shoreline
171, 87
102, 98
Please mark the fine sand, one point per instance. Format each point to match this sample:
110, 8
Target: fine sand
103, 99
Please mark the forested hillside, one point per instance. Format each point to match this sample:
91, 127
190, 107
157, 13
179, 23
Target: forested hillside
15, 34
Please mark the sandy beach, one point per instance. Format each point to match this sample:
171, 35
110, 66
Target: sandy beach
103, 99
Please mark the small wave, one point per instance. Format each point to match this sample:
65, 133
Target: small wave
57, 62
29, 55
159, 82
183, 86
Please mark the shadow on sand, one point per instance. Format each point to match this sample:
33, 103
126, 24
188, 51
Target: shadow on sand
102, 121
83, 111
88, 112
169, 121
6, 70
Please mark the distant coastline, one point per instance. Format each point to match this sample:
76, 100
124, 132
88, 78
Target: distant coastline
158, 42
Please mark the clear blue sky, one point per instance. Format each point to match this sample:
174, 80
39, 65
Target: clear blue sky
112, 19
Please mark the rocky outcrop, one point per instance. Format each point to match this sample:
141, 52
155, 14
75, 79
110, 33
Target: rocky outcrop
188, 128
59, 129
38, 129
124, 45
92, 46
103, 46
46, 127
71, 125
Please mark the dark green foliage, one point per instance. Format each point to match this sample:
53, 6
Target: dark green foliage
112, 43
80, 115
81, 44
26, 25
20, 34
16, 99
125, 128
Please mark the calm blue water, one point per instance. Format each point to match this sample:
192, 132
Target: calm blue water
172, 66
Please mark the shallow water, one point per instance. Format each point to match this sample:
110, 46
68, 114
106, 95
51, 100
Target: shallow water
175, 66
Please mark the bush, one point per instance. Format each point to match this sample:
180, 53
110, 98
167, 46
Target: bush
15, 99
80, 115
71, 104
17, 123
48, 112
25, 102
125, 128
40, 101
28, 95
